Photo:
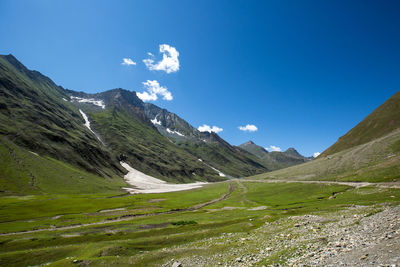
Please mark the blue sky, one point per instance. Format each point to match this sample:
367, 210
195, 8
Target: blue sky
303, 72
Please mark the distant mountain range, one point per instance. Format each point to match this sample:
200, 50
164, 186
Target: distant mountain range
94, 132
275, 160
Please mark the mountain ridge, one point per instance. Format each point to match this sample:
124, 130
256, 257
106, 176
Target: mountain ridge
275, 160
380, 122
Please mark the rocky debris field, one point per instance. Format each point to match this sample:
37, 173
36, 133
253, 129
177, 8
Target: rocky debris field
356, 236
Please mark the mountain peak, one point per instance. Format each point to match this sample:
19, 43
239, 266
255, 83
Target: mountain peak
293, 152
248, 143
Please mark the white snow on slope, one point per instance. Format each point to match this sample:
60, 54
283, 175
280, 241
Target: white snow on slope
155, 121
87, 124
219, 172
174, 132
93, 101
147, 184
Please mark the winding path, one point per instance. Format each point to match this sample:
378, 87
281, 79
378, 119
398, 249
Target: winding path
352, 184
129, 217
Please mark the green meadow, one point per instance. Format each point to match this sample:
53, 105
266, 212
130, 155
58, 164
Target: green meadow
144, 229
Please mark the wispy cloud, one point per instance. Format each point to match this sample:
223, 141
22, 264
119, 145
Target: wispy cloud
169, 62
316, 154
153, 90
128, 62
273, 148
248, 128
207, 128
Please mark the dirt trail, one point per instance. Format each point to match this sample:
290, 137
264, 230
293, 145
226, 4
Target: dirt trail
130, 216
352, 184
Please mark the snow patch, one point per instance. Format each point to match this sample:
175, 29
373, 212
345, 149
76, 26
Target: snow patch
174, 132
219, 172
87, 124
36, 154
144, 183
155, 121
93, 101
64, 99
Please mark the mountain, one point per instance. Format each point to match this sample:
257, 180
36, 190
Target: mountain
208, 147
118, 116
275, 160
34, 115
370, 152
382, 121
47, 131
254, 149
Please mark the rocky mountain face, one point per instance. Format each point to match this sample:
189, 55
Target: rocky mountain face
382, 121
275, 160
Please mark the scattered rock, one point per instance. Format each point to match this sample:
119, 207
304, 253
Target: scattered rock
177, 264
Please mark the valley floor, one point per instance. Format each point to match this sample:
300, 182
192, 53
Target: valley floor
236, 223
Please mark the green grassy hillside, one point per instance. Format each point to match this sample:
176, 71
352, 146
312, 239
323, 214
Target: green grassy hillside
41, 117
143, 147
26, 172
380, 122
375, 161
34, 115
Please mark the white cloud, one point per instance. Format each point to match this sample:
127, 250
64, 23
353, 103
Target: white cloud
273, 148
128, 62
153, 90
150, 54
249, 128
316, 154
207, 128
169, 62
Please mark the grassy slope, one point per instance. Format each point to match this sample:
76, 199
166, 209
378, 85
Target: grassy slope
33, 115
22, 172
375, 161
380, 122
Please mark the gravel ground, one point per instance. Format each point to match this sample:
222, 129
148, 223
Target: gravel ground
357, 236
